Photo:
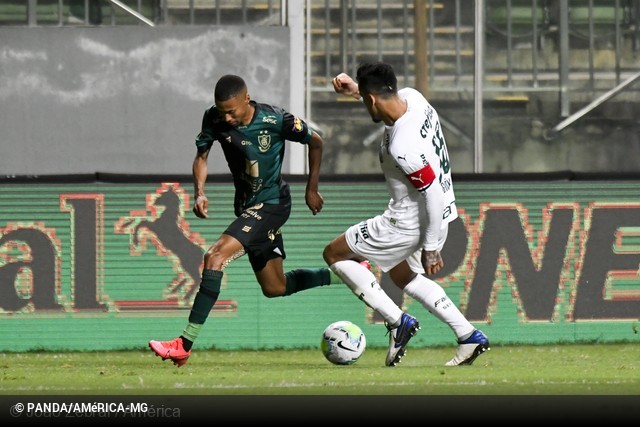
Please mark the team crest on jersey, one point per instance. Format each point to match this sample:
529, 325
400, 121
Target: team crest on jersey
297, 125
264, 142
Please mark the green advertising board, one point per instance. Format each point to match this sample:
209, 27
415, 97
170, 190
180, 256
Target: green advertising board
101, 266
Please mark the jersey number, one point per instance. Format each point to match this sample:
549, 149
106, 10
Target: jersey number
441, 151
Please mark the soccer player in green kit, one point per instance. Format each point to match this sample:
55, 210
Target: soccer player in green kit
252, 136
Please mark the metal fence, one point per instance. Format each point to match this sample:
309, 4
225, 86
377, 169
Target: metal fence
563, 57
530, 45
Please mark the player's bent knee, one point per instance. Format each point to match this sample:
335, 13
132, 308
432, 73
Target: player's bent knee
272, 292
328, 255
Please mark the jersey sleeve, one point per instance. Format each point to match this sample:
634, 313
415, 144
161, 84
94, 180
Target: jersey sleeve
434, 204
206, 137
295, 129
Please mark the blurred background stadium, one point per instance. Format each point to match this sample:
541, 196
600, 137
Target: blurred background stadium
100, 101
521, 85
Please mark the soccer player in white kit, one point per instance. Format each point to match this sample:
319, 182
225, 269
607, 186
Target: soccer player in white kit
406, 239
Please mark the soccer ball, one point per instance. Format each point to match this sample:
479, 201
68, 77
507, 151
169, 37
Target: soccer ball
343, 343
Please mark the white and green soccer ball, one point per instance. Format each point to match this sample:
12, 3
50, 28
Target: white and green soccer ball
343, 342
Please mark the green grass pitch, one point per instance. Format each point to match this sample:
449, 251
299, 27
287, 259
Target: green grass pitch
585, 369
576, 382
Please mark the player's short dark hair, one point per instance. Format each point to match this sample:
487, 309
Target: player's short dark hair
377, 78
228, 86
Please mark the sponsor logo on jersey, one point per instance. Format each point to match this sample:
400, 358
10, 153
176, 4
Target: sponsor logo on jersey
449, 210
246, 229
297, 124
251, 212
428, 123
446, 185
228, 139
269, 119
272, 236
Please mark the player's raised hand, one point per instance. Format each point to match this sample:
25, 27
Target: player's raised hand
201, 207
345, 85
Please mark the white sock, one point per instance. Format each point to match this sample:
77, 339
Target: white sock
365, 286
434, 298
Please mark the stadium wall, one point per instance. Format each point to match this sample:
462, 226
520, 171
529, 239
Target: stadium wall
125, 99
102, 262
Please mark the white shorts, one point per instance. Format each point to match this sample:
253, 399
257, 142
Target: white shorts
377, 240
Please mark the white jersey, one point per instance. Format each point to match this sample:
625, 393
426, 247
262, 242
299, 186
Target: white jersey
415, 163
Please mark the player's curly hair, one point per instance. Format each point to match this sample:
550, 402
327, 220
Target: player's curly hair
229, 86
377, 78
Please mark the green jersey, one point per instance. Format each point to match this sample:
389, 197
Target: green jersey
255, 152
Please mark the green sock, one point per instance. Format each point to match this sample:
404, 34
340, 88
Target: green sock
307, 278
203, 302
190, 334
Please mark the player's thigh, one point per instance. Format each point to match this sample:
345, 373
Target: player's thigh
339, 250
